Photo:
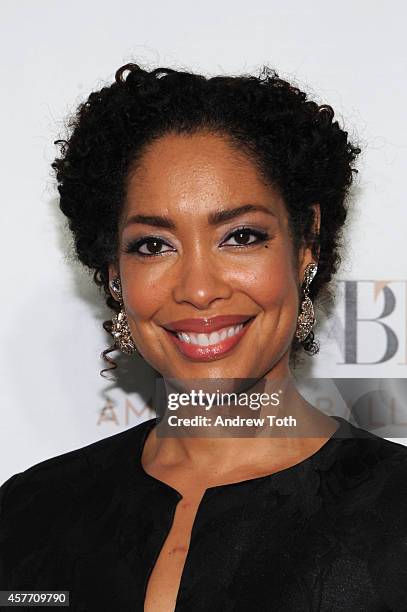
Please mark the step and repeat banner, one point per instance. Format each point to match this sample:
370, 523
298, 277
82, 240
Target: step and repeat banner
53, 397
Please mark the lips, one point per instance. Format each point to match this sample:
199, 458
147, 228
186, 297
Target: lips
210, 352
206, 325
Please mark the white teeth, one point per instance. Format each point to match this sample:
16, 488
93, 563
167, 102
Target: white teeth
183, 336
207, 339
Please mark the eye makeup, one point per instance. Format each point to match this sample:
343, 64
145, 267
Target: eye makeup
134, 246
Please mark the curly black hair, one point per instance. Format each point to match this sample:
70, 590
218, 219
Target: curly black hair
294, 142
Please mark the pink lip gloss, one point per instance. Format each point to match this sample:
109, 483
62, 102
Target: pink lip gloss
211, 351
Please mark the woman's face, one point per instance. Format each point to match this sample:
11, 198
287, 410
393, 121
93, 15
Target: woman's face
190, 260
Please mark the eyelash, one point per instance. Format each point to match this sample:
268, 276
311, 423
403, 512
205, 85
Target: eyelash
132, 246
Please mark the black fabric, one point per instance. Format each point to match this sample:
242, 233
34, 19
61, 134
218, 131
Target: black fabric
328, 534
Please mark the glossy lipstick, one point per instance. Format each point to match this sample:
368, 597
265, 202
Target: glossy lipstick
213, 351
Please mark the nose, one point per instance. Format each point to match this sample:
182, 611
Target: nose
200, 282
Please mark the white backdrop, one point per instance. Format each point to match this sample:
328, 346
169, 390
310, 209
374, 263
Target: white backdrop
351, 55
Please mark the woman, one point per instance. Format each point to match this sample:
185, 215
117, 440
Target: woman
211, 211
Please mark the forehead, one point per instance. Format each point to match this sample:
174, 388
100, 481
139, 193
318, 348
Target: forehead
203, 168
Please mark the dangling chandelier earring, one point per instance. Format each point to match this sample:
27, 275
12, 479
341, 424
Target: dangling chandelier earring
306, 318
120, 327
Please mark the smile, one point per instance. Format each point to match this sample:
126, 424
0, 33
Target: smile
207, 347
210, 339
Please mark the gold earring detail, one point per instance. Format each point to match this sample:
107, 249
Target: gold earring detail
306, 318
120, 327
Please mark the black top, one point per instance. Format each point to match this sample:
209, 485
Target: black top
327, 534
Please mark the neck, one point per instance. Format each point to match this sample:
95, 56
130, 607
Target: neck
206, 447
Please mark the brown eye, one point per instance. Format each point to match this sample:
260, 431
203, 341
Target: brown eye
152, 246
242, 236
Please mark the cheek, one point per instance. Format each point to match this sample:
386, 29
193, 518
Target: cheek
272, 283
145, 290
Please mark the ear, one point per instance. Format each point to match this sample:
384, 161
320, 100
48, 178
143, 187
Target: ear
113, 273
317, 217
305, 255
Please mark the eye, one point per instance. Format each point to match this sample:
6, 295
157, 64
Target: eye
242, 234
153, 245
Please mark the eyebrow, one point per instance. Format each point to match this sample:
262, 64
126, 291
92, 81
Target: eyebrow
214, 218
